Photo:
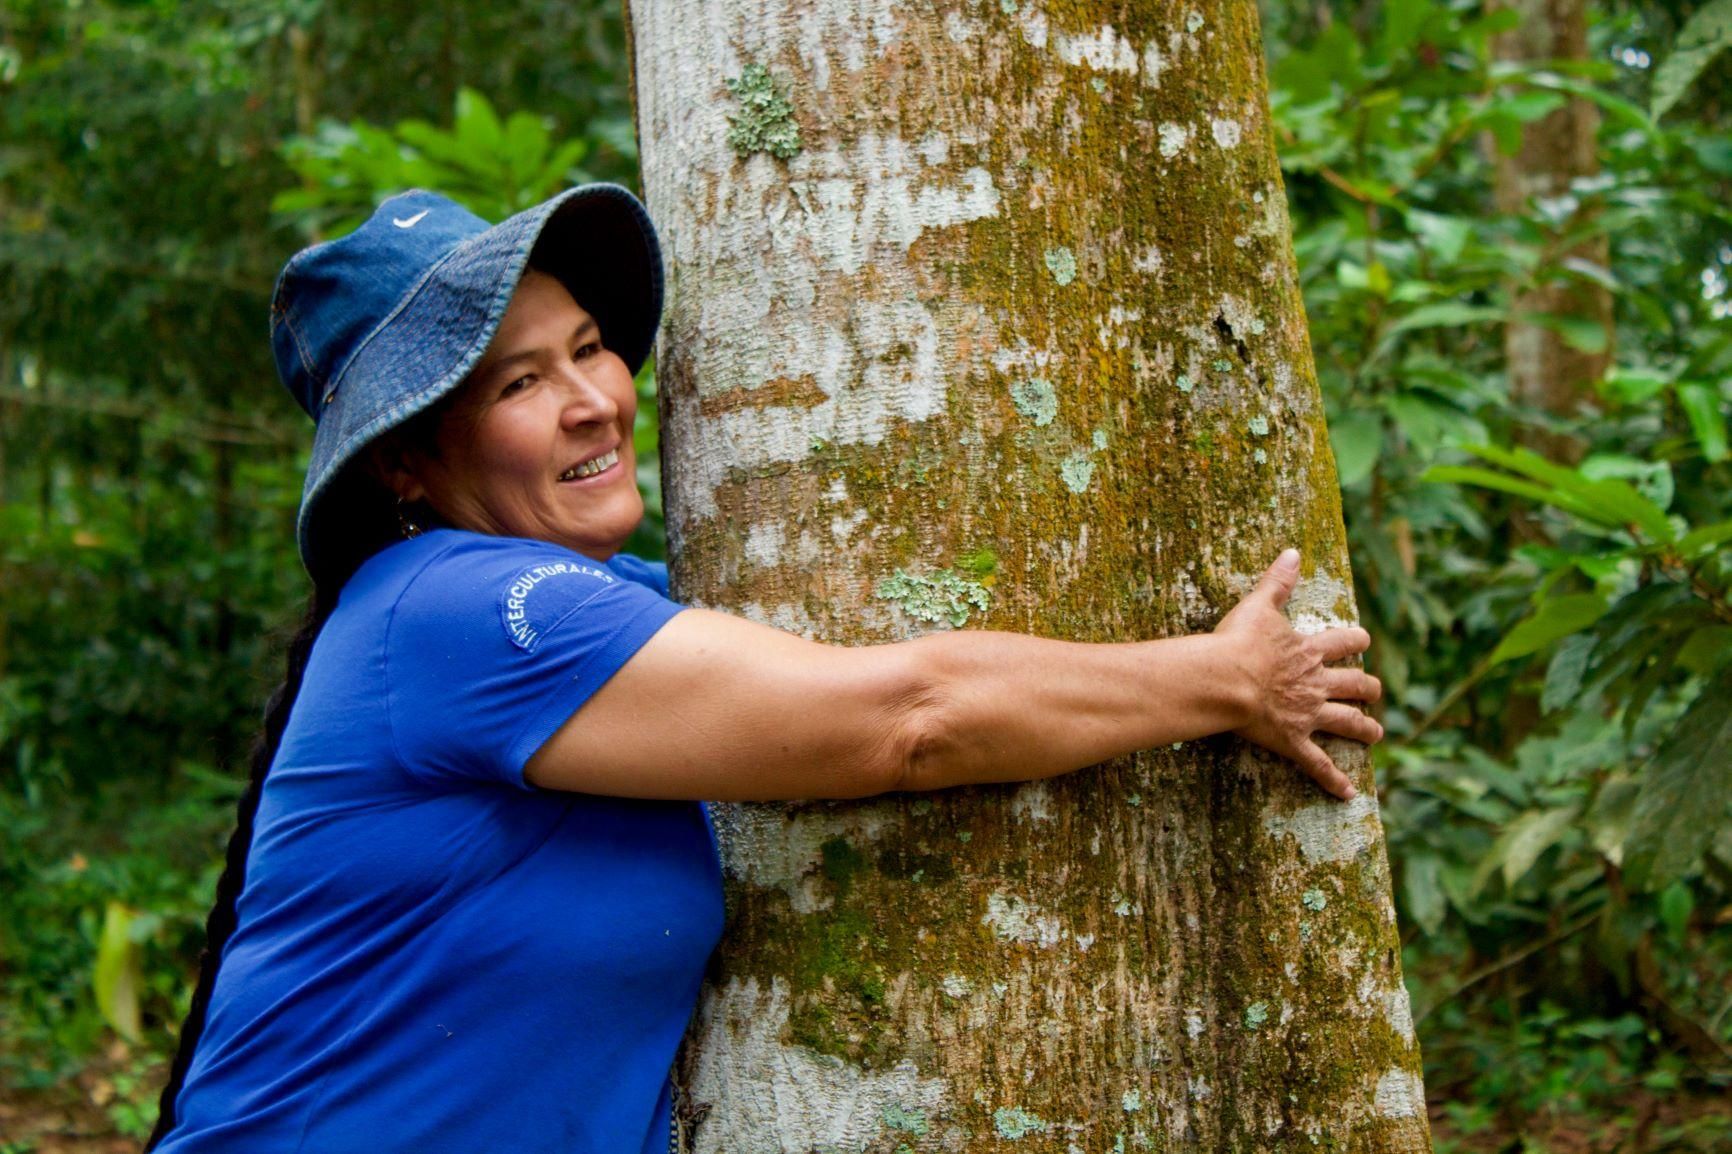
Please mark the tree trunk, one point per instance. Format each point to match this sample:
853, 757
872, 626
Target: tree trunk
1545, 372
995, 323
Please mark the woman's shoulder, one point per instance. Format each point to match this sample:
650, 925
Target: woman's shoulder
445, 576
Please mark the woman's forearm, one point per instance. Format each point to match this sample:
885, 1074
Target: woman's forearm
1006, 707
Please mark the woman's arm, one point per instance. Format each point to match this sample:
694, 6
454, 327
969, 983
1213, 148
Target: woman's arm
720, 708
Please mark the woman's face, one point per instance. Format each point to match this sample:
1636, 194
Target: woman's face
538, 441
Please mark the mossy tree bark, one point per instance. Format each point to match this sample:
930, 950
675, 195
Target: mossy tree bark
984, 314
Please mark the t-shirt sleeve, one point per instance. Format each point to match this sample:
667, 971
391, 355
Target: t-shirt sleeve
494, 644
654, 574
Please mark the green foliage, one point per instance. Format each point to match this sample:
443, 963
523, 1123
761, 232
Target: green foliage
1707, 33
494, 167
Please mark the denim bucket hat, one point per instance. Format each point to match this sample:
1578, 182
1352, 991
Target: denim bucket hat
375, 327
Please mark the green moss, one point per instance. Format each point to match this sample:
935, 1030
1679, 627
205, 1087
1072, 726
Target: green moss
841, 862
765, 121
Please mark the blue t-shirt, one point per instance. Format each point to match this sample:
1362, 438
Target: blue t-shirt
430, 954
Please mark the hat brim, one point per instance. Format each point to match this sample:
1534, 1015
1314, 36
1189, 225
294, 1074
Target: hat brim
597, 239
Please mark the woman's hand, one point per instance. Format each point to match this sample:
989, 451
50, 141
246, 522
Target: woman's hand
1294, 694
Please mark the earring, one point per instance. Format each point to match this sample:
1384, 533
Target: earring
405, 526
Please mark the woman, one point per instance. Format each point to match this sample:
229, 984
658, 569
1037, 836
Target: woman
477, 899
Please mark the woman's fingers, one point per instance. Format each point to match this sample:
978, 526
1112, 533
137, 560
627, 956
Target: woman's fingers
1335, 644
1315, 762
1351, 685
1346, 721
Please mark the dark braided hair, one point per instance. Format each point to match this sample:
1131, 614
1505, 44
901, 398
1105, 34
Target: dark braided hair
376, 529
221, 923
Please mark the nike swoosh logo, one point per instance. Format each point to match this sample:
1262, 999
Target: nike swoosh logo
412, 221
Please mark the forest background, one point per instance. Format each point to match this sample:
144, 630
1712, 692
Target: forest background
1545, 571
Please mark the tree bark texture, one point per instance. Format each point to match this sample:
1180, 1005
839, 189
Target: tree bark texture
1546, 372
1011, 338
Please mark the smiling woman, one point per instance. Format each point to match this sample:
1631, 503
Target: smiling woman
472, 889
538, 443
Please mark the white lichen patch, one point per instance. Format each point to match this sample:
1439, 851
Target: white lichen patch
1102, 50
1035, 400
1033, 802
1241, 317
781, 1096
782, 848
764, 544
1330, 831
1061, 263
1077, 471
1225, 132
957, 986
1398, 1012
1015, 920
1399, 1094
1193, 21
1131, 1101
1173, 138
1317, 602
1148, 260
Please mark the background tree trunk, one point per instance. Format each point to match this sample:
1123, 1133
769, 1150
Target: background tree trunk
1545, 372
1011, 336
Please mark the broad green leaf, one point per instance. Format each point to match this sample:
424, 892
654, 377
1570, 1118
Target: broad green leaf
116, 975
1676, 905
1558, 617
1632, 386
1446, 313
1521, 844
1579, 333
1564, 674
1703, 37
1443, 236
1706, 649
1357, 438
1701, 404
476, 124
1605, 501
1652, 479
1486, 479
1422, 887
1686, 791
1699, 543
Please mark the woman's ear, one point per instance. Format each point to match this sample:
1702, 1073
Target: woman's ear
391, 465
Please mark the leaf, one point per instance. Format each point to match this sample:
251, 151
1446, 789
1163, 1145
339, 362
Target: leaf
1579, 333
1701, 542
1446, 313
1706, 649
1608, 502
1555, 618
1422, 889
1521, 844
1701, 404
116, 976
1564, 674
1676, 905
1652, 479
1443, 236
1704, 35
1686, 790
1357, 439
1632, 386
